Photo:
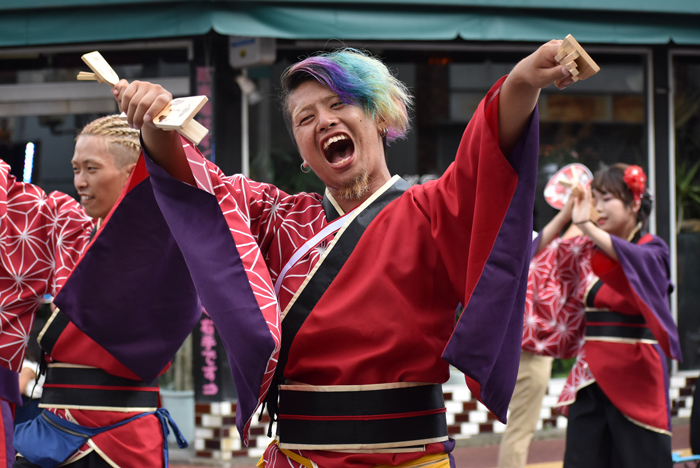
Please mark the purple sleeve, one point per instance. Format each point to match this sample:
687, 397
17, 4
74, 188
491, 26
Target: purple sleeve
9, 386
229, 283
646, 278
131, 291
486, 342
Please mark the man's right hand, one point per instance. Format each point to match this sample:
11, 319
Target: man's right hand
142, 101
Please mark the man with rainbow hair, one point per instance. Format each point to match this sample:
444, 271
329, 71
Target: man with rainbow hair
364, 280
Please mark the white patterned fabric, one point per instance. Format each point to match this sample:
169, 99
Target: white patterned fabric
41, 238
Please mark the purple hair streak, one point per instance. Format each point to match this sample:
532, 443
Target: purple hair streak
358, 79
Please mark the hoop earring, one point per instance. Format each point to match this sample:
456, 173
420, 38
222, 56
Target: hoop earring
384, 132
305, 166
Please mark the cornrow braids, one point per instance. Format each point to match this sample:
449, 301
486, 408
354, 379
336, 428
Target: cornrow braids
117, 132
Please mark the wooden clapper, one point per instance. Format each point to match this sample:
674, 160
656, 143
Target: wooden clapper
576, 60
177, 115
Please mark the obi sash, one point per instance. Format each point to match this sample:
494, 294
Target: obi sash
607, 325
611, 326
88, 388
361, 417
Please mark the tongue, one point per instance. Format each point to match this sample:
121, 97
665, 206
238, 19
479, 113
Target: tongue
342, 153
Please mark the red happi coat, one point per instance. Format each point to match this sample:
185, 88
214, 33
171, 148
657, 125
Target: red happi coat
399, 334
138, 443
41, 238
631, 372
559, 276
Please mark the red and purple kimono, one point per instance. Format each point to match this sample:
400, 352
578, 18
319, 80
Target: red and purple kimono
41, 239
629, 330
124, 311
367, 298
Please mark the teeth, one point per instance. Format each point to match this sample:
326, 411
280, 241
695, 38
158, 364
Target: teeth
340, 162
333, 140
85, 198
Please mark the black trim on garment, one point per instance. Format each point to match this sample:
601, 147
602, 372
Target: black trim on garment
590, 297
381, 431
91, 460
53, 331
130, 394
385, 401
330, 209
615, 317
617, 325
92, 376
638, 236
80, 397
321, 281
387, 408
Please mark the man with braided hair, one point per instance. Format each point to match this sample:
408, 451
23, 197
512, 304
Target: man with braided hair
41, 238
85, 384
106, 151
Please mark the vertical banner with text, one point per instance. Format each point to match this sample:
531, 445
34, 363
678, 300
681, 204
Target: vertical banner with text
212, 376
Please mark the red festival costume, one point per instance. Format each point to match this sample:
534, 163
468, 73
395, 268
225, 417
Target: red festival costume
116, 281
41, 238
554, 323
44, 238
78, 373
386, 317
629, 330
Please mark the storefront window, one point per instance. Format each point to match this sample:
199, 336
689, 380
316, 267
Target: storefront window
598, 121
687, 137
43, 106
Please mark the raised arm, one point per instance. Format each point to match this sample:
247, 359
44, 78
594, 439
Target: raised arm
522, 88
141, 101
555, 225
582, 218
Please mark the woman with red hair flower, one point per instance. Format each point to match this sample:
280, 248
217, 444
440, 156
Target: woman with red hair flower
616, 396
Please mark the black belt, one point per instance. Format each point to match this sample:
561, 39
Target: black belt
364, 419
615, 325
92, 388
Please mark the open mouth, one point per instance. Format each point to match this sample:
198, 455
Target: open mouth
85, 198
338, 149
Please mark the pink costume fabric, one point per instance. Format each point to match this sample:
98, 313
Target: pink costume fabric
41, 238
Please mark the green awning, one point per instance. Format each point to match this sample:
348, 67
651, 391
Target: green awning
652, 6
38, 22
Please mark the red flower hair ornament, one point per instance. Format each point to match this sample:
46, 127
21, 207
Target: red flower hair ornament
636, 180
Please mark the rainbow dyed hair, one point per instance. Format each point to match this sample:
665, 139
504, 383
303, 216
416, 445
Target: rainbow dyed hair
357, 78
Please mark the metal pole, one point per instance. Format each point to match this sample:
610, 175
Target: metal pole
673, 228
245, 146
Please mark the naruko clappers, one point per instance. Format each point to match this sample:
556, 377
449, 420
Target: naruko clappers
177, 115
576, 60
101, 71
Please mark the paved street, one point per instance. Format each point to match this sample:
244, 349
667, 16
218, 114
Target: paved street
547, 453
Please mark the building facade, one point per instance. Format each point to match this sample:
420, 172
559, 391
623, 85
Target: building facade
642, 108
